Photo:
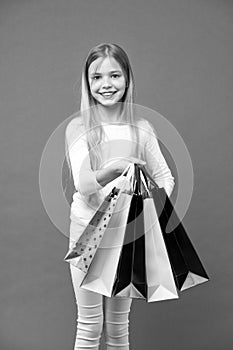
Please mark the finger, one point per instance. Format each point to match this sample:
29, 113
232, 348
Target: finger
137, 160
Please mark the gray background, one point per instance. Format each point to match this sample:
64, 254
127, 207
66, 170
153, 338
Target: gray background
181, 54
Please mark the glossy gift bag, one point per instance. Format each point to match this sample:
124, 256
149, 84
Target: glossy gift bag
187, 268
131, 272
101, 274
83, 251
144, 270
160, 280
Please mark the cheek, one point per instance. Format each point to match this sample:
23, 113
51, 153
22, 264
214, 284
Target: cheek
121, 83
94, 86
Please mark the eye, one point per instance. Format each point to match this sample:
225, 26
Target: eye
115, 75
96, 77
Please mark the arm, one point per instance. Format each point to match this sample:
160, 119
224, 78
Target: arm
156, 164
86, 181
104, 176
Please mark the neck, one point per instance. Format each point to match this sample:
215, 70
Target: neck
109, 114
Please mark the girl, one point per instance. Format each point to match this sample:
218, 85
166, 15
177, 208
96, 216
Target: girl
100, 142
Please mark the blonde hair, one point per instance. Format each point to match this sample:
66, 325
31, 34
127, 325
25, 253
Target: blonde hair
88, 120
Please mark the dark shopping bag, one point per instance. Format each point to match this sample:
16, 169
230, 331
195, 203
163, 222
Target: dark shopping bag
186, 265
131, 272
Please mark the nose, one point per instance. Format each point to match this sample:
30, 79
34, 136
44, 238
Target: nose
106, 83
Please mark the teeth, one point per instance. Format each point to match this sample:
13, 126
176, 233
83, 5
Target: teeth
108, 93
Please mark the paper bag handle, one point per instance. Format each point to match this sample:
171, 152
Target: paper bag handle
129, 174
145, 172
144, 181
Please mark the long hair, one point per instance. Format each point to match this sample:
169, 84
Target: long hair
88, 118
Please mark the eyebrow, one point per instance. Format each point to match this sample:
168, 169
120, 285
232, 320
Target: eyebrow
112, 71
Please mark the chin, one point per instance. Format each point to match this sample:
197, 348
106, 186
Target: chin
108, 102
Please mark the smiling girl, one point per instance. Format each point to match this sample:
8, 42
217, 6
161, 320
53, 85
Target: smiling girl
101, 141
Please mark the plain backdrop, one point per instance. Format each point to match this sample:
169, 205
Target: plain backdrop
181, 55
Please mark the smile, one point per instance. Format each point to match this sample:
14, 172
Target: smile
108, 94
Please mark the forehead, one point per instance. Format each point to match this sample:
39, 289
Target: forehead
104, 65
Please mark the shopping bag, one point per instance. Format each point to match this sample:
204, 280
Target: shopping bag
186, 265
101, 273
160, 279
84, 249
130, 278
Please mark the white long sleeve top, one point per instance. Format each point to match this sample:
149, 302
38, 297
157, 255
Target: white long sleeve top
117, 144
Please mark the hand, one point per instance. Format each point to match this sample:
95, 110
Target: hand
120, 165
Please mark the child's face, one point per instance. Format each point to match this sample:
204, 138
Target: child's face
107, 78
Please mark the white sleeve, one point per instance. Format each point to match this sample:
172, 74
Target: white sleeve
156, 164
83, 176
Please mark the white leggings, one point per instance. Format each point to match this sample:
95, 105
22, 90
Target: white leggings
94, 315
